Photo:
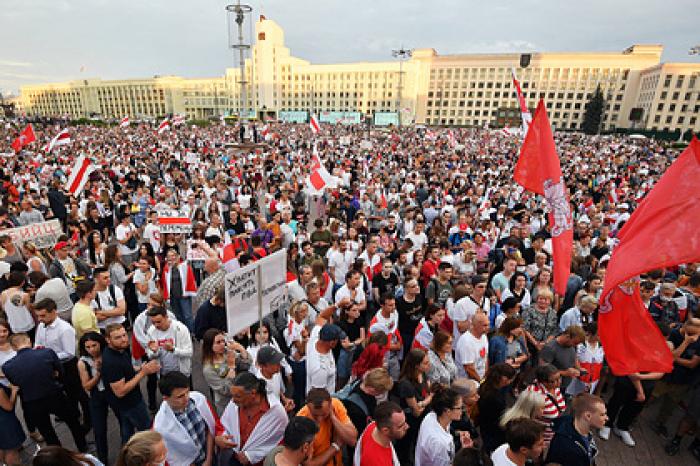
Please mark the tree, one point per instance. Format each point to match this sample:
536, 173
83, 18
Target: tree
593, 116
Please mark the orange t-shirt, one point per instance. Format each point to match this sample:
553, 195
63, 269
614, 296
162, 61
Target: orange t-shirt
323, 439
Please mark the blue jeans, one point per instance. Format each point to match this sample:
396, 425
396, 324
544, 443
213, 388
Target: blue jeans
182, 308
344, 365
132, 420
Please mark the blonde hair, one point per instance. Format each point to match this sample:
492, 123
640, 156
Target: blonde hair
138, 451
378, 379
528, 405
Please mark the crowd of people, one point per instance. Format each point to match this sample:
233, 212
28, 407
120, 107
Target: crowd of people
421, 325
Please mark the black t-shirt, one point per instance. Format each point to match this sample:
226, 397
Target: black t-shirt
116, 365
385, 285
409, 389
410, 314
680, 374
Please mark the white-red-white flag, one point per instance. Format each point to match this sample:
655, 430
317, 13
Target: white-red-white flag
319, 178
124, 123
451, 137
313, 124
79, 175
265, 132
164, 126
62, 138
524, 111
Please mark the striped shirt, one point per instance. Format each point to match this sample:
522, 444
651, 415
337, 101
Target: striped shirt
554, 406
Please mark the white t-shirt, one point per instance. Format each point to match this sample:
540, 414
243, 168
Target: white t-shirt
274, 386
341, 263
121, 232
320, 368
419, 240
500, 458
151, 232
344, 291
140, 277
104, 298
464, 309
471, 350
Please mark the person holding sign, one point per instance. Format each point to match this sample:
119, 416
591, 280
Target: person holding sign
179, 287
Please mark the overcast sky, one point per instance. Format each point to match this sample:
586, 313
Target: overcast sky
52, 40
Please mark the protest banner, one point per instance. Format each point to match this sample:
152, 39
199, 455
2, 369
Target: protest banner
174, 222
256, 290
43, 234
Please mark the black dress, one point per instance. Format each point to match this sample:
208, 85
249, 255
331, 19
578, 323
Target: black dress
492, 405
11, 434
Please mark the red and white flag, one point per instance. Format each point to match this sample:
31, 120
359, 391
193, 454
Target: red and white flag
451, 137
319, 178
230, 258
25, 137
179, 120
79, 175
538, 170
313, 124
524, 111
164, 126
62, 138
659, 234
124, 123
265, 132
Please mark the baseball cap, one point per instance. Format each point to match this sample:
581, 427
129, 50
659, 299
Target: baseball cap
269, 355
60, 245
330, 332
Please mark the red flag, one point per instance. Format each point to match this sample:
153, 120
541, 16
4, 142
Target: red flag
313, 124
661, 224
538, 170
25, 137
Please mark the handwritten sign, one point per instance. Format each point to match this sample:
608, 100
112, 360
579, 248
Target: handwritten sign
43, 234
196, 253
256, 290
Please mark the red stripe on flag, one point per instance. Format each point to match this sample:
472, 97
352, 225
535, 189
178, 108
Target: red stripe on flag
174, 221
79, 177
317, 180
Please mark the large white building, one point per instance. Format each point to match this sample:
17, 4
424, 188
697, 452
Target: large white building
470, 90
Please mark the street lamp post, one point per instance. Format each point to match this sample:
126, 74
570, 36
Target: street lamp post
402, 54
236, 15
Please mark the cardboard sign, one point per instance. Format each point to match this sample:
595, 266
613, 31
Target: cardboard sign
256, 290
174, 224
43, 234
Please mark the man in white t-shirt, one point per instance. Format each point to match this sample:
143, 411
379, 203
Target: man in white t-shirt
339, 263
126, 236
418, 236
151, 232
145, 282
524, 441
465, 308
109, 303
267, 367
320, 364
352, 290
472, 350
169, 342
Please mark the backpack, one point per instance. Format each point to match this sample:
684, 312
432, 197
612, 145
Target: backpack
346, 394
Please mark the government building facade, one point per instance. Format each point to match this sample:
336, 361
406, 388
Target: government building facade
427, 88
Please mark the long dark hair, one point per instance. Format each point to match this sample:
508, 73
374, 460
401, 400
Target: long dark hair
207, 343
91, 336
409, 371
494, 376
52, 455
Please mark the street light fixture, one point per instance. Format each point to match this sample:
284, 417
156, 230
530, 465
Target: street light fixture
694, 50
402, 54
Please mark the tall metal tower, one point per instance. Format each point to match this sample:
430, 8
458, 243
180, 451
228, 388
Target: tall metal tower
402, 54
236, 14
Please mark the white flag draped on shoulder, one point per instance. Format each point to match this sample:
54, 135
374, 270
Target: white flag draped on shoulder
524, 111
79, 175
62, 138
164, 126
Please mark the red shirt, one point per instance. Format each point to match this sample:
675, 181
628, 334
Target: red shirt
372, 453
428, 271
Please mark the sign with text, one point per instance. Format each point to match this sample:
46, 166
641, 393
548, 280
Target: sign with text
43, 234
174, 222
293, 116
256, 290
386, 118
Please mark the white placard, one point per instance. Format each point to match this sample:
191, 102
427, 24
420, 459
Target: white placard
42, 234
256, 290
